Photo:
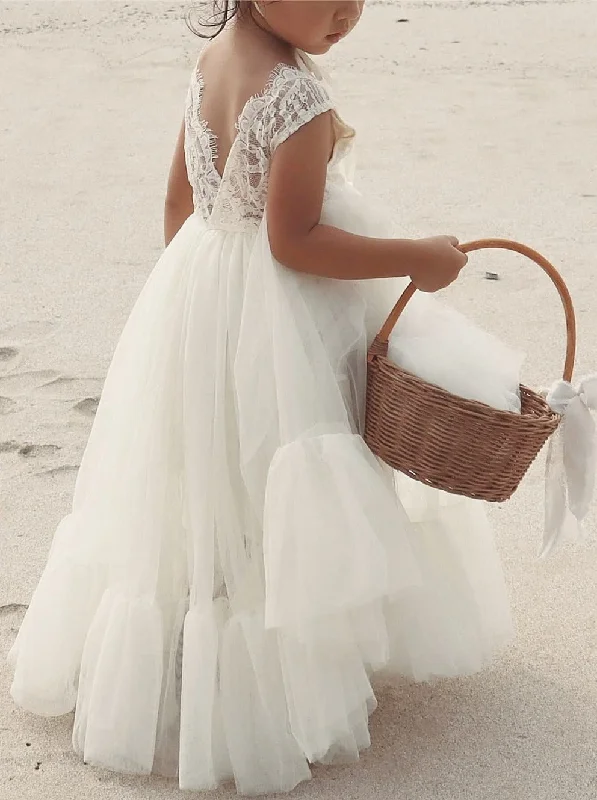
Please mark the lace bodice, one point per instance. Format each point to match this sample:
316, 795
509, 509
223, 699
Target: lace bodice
236, 200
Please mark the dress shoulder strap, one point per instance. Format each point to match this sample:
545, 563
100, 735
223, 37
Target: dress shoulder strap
295, 97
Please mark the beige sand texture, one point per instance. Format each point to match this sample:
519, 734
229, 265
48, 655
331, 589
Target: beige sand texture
475, 118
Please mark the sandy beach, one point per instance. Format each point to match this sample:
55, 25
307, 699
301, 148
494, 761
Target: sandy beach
475, 119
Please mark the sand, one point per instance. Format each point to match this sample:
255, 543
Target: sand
476, 119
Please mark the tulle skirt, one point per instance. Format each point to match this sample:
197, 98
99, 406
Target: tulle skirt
237, 564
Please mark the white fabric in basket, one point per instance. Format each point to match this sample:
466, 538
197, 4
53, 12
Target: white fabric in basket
444, 348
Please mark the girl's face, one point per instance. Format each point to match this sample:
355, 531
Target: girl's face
311, 25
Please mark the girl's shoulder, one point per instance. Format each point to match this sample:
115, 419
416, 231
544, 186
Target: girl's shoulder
292, 97
291, 88
295, 95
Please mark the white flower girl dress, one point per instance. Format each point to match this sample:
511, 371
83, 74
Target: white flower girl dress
237, 564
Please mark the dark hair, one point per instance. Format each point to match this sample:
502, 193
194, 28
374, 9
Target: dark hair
221, 14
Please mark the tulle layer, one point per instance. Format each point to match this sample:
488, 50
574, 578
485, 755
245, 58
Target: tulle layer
210, 695
254, 687
237, 565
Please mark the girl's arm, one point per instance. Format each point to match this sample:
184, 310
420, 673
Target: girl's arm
298, 240
178, 205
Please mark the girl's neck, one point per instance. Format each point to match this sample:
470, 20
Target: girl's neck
253, 25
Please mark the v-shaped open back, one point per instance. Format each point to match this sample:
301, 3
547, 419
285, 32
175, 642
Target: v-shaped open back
214, 139
234, 198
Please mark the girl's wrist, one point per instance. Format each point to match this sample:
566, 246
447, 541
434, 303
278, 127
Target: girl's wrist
408, 258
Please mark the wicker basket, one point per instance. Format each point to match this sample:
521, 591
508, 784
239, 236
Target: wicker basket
460, 446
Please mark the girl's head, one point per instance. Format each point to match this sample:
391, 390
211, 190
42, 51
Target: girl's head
309, 25
313, 26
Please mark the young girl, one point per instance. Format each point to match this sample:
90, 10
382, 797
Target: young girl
237, 564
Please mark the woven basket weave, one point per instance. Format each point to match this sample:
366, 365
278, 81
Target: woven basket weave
460, 446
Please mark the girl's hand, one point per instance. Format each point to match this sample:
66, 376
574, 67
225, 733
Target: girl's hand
437, 263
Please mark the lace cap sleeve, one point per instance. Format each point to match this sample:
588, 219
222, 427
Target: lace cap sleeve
296, 98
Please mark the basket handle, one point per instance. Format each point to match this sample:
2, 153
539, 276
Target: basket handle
379, 346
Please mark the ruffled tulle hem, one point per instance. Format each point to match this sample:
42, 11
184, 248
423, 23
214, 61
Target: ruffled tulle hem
236, 702
211, 692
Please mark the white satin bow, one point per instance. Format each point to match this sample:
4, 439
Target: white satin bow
571, 460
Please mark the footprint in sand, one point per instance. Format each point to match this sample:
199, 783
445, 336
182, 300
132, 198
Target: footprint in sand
66, 388
9, 447
29, 450
23, 383
11, 339
55, 472
37, 450
87, 407
48, 383
9, 357
12, 608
